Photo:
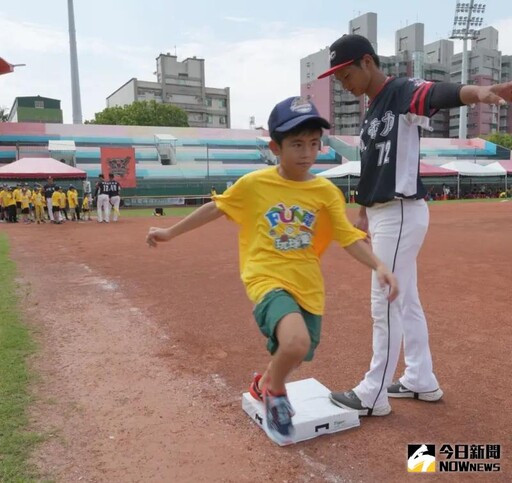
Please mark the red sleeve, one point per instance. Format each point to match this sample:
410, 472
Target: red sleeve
420, 103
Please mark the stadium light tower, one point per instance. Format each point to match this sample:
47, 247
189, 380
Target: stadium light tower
75, 80
467, 21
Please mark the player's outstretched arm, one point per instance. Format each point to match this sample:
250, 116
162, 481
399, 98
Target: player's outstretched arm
499, 94
361, 251
208, 212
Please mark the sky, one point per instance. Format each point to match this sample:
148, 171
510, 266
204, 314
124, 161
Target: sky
252, 47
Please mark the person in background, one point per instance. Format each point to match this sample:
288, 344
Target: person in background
114, 193
72, 196
16, 193
63, 205
102, 200
55, 204
37, 202
49, 189
10, 205
25, 204
86, 207
3, 216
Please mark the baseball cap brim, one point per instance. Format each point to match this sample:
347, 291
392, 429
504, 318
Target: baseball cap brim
287, 126
332, 70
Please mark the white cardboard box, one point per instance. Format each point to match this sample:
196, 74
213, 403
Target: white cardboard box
315, 414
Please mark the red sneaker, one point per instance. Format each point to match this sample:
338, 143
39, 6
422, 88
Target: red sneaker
254, 390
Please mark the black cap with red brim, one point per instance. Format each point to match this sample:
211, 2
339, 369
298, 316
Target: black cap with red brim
346, 50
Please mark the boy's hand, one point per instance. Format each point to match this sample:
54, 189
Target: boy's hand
156, 235
385, 277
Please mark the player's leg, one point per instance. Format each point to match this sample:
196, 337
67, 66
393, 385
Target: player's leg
49, 205
418, 376
115, 207
107, 209
396, 239
99, 208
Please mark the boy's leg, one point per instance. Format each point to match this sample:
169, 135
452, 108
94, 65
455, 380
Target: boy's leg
294, 343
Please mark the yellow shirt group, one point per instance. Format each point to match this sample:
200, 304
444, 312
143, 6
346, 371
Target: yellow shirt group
285, 226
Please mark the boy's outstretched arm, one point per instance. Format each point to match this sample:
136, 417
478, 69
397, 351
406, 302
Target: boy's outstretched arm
361, 251
208, 212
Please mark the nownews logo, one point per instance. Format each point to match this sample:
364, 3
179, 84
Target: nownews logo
422, 458
462, 458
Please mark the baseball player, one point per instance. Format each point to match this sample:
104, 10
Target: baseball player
393, 208
103, 202
114, 193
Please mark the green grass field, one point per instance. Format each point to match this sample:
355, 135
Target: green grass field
16, 442
184, 211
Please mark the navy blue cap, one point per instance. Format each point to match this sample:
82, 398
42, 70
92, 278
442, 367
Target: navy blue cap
293, 111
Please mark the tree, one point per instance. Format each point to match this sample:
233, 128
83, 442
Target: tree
501, 139
142, 113
4, 114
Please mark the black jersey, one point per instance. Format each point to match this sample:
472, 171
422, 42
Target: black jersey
114, 188
390, 142
102, 188
48, 190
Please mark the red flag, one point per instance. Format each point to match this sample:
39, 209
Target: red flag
5, 67
120, 162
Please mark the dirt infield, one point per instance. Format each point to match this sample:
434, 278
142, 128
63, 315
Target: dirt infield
144, 353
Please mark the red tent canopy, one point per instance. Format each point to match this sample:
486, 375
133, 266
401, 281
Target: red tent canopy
429, 170
40, 168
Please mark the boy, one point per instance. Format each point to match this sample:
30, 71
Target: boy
63, 205
85, 207
393, 209
72, 196
287, 218
38, 202
25, 204
55, 204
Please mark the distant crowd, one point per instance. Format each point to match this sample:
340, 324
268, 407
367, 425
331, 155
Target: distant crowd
52, 203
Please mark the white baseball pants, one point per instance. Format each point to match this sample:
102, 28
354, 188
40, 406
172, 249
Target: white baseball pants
115, 201
103, 208
397, 230
49, 205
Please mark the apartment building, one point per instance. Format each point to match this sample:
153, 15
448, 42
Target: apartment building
181, 84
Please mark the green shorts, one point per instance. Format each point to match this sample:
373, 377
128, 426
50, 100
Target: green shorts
274, 306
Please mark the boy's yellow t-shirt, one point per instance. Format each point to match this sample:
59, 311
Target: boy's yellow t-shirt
72, 199
85, 203
16, 195
25, 200
9, 199
62, 201
37, 198
56, 198
285, 226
